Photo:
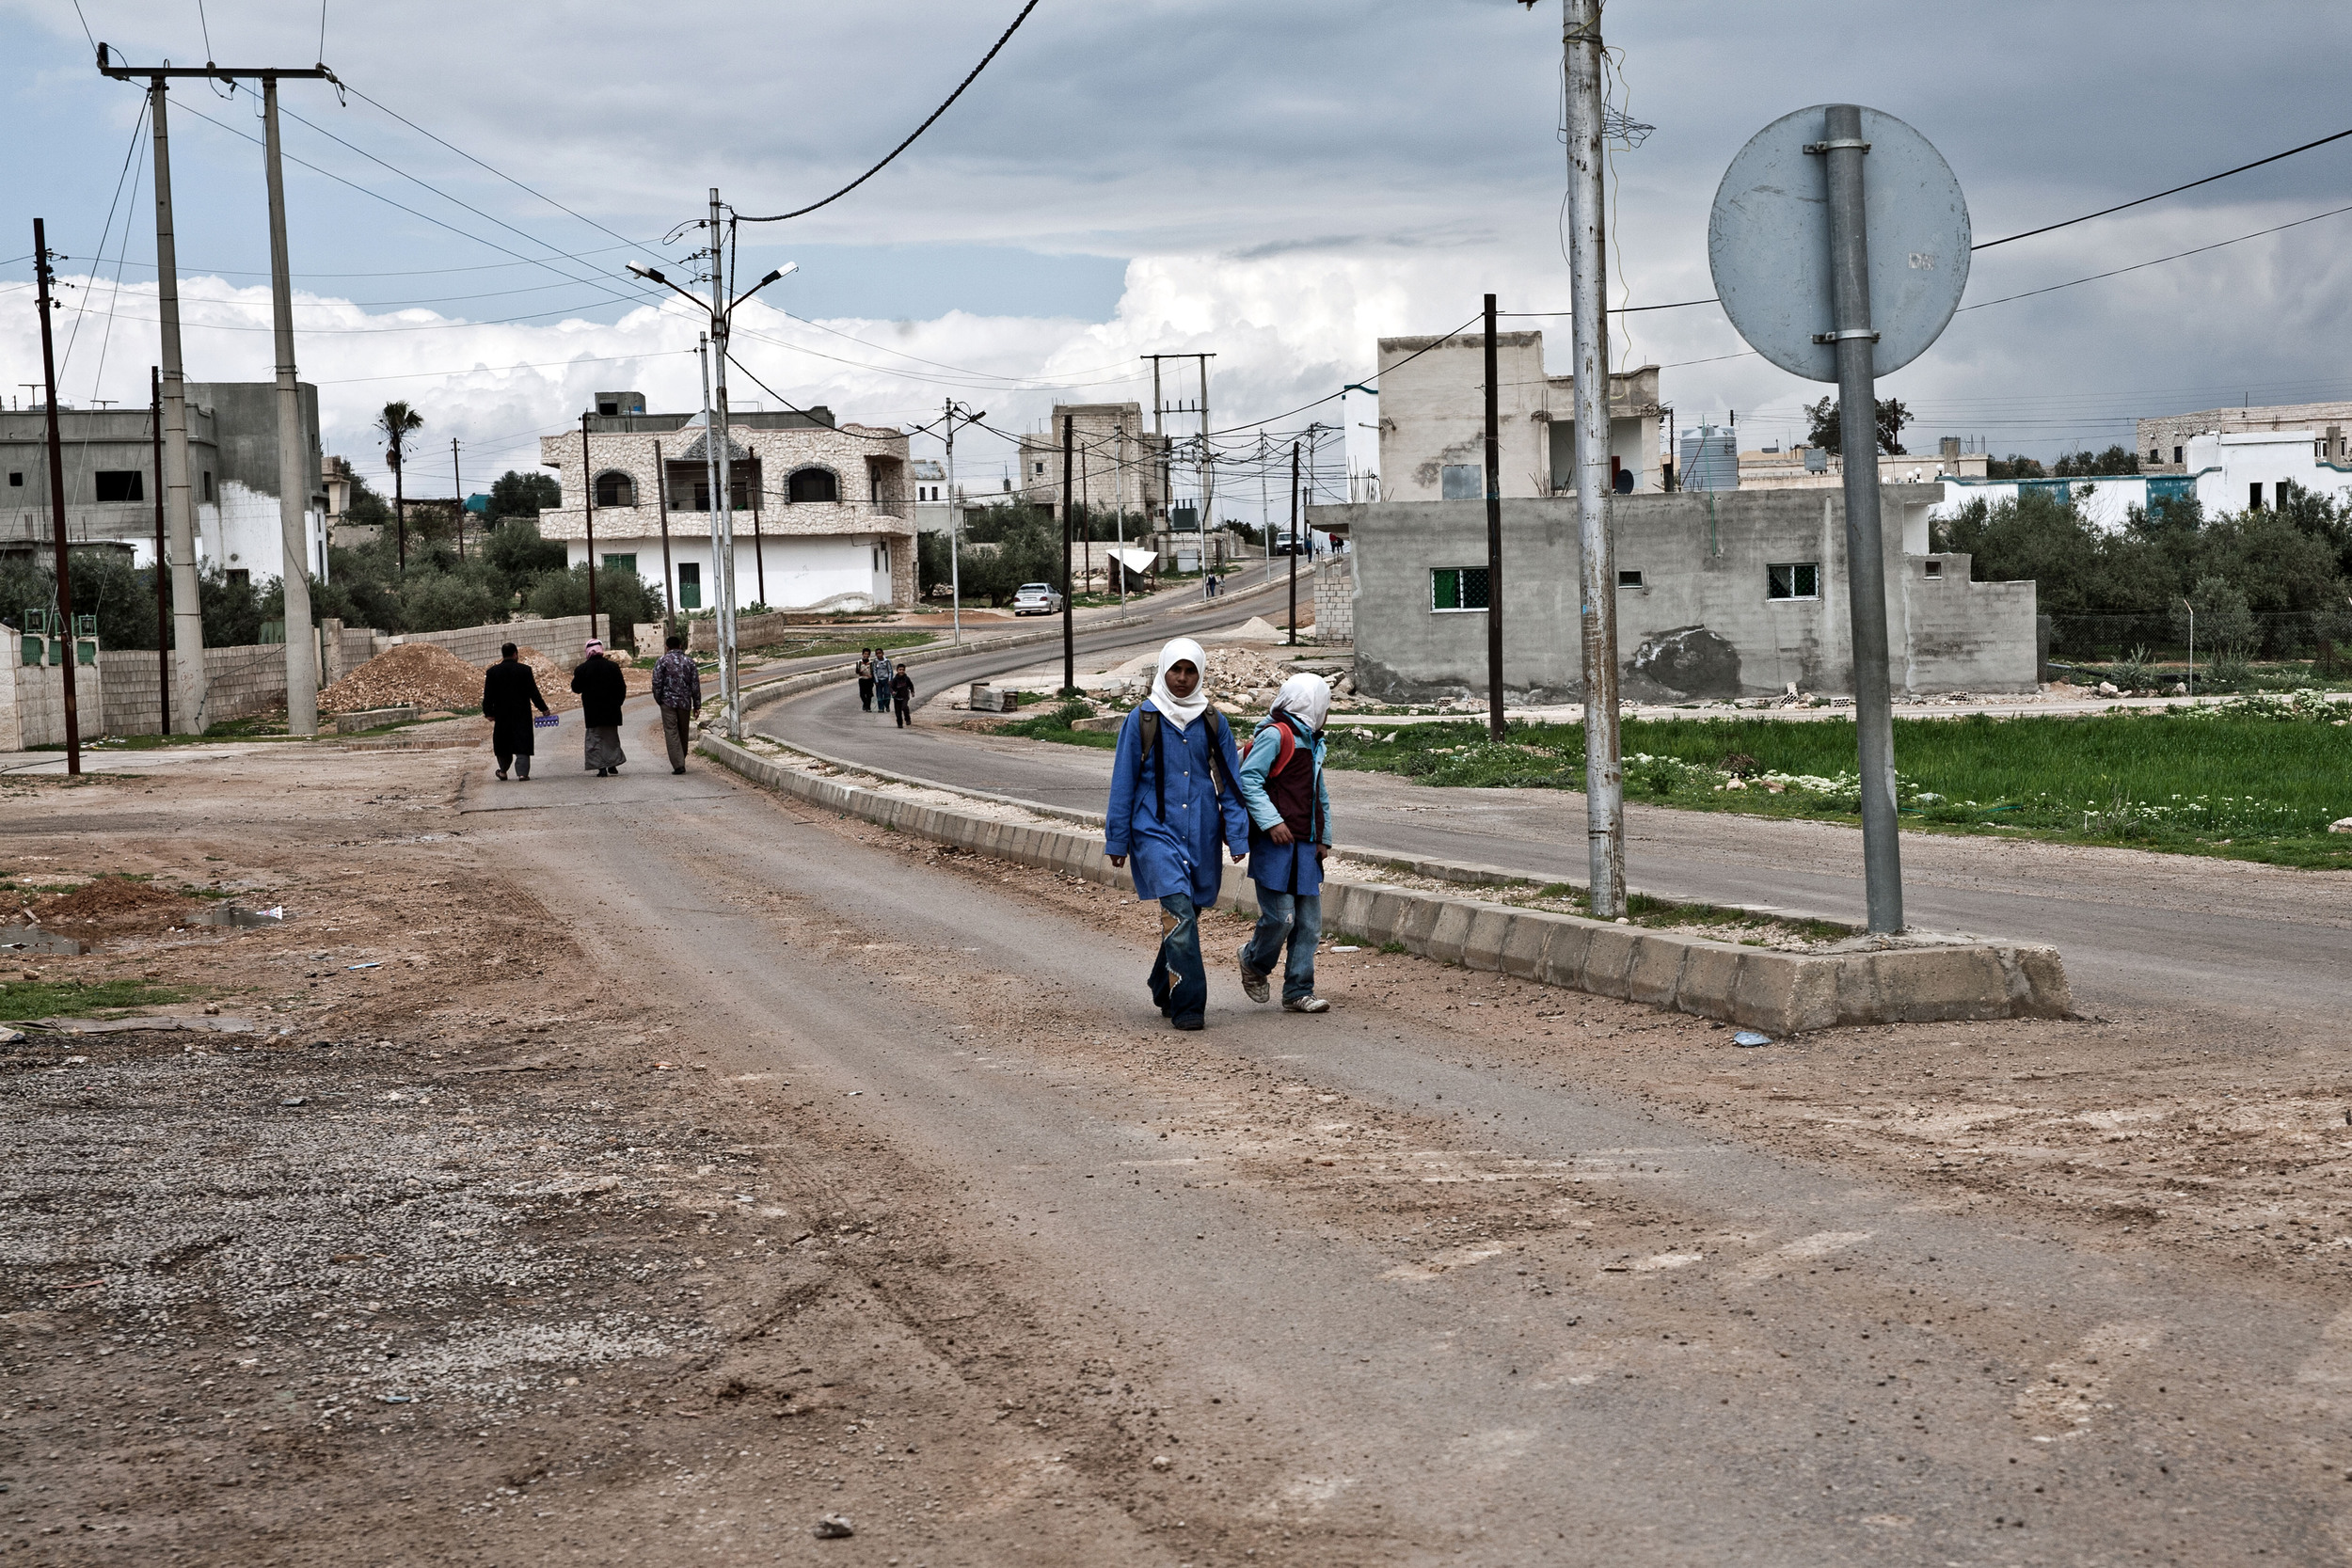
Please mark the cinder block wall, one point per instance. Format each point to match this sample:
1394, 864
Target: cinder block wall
1699, 622
560, 637
1335, 599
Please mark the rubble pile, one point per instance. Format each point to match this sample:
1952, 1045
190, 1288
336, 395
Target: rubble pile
1240, 681
408, 675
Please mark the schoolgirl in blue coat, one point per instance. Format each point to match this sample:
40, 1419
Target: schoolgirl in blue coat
1174, 803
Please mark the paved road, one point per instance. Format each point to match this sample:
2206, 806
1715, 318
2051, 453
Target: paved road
2249, 946
1786, 1367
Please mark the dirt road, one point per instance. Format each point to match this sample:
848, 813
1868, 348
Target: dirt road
691, 1167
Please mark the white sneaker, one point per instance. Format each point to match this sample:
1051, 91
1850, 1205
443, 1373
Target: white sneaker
1306, 1005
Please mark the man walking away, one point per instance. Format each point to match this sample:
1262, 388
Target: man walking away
677, 692
902, 696
1290, 832
509, 689
1173, 800
882, 674
602, 689
865, 679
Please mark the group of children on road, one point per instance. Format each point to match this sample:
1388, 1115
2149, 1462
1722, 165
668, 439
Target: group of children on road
884, 687
1181, 791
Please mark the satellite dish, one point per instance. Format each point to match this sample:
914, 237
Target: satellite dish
1767, 243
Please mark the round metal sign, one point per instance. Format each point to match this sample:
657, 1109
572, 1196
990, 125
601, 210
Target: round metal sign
1767, 243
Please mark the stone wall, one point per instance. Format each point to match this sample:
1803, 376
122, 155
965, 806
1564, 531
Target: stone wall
32, 702
1696, 617
560, 637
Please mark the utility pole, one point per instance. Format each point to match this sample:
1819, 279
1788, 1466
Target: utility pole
457, 484
588, 514
178, 494
163, 603
715, 453
1494, 540
56, 498
1119, 523
1294, 544
669, 595
1208, 464
954, 534
1086, 492
1604, 767
399, 499
1068, 623
293, 452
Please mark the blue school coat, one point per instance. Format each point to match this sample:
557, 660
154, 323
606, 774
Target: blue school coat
1176, 852
1293, 868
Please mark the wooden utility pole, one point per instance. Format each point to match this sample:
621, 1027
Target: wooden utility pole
57, 497
163, 603
457, 482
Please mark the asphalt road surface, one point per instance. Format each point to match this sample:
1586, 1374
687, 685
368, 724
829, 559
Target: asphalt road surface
1760, 1362
2241, 944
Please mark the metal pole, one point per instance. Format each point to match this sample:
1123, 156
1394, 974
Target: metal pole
954, 534
760, 548
457, 484
1208, 467
163, 603
1866, 566
730, 678
661, 496
1085, 537
293, 452
588, 514
187, 611
1119, 523
1069, 624
56, 499
1604, 767
1293, 542
1494, 540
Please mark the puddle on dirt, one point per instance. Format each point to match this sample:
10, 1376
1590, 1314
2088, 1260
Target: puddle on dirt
32, 939
237, 915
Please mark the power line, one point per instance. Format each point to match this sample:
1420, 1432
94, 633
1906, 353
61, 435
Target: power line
853, 184
2161, 259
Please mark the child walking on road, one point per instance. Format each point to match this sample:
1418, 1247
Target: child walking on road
902, 695
1173, 803
1290, 832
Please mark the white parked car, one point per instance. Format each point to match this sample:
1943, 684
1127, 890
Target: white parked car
1035, 598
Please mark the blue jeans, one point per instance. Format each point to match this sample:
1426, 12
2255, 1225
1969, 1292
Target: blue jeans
1298, 916
1179, 987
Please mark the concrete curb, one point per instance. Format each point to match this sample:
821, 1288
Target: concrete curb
1780, 993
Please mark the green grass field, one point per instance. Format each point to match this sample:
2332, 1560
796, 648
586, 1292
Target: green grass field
28, 999
2254, 780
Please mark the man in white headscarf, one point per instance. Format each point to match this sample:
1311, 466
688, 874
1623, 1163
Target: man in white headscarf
1173, 805
1289, 833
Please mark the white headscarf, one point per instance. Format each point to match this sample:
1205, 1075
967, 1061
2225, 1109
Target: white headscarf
1180, 650
1306, 695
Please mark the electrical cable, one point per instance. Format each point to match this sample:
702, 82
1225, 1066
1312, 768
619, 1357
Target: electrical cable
798, 409
114, 295
2159, 261
968, 80
82, 308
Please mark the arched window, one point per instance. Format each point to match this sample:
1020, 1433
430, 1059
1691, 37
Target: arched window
614, 488
812, 484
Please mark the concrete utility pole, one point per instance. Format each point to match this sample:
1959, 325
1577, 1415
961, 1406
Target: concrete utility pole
1208, 467
163, 601
669, 593
1068, 623
293, 468
955, 535
1604, 767
57, 497
179, 510
1119, 523
1494, 541
1866, 567
1294, 544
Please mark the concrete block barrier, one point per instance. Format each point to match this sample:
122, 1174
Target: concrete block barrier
1913, 980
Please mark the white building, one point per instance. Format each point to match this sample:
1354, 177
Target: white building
2164, 441
929, 479
2226, 472
822, 515
1433, 421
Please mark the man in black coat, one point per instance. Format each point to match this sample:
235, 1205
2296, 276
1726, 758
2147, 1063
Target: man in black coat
509, 689
602, 689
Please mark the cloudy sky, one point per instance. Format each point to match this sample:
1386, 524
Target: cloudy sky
1277, 183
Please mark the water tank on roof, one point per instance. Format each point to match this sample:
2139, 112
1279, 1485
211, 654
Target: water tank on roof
1711, 459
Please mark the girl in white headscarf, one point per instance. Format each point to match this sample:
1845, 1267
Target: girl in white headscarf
1173, 803
1290, 832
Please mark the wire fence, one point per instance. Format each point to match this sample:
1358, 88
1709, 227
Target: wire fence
2316, 635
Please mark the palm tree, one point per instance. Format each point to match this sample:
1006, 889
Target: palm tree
397, 420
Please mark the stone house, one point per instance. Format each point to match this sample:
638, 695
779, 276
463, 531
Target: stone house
1433, 421
1116, 464
823, 515
1740, 593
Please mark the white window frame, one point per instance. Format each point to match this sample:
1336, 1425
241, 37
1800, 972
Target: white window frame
1436, 609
